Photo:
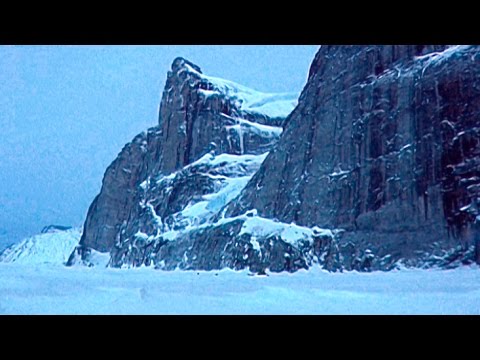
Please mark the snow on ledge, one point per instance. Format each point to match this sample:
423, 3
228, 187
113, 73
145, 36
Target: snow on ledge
273, 105
257, 226
219, 160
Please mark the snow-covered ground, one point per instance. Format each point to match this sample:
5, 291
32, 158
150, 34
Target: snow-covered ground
34, 281
54, 289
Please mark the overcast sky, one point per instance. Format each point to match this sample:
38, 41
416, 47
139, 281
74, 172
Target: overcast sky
67, 111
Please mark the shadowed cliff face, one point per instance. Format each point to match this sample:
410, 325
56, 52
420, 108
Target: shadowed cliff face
385, 144
379, 164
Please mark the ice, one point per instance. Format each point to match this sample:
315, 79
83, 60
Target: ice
170, 235
276, 108
259, 129
141, 235
238, 130
255, 244
199, 215
98, 259
339, 173
144, 185
232, 189
157, 219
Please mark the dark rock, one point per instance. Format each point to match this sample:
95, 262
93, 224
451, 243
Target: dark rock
477, 241
382, 144
114, 203
53, 228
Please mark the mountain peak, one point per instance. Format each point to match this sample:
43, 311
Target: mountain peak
199, 116
181, 63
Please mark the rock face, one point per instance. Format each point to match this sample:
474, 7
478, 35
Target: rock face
385, 143
201, 117
378, 165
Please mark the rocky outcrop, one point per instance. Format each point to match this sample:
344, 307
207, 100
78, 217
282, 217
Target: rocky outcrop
114, 203
378, 165
54, 228
199, 116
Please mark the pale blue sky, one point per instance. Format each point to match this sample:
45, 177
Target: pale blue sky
67, 111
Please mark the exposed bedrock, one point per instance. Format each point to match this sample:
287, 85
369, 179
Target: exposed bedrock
385, 143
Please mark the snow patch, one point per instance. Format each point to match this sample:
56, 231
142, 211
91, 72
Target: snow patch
157, 219
209, 93
200, 214
98, 259
228, 161
440, 57
443, 55
258, 129
270, 104
255, 244
213, 160
261, 227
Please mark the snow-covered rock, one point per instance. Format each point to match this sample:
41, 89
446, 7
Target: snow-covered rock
376, 165
213, 136
273, 105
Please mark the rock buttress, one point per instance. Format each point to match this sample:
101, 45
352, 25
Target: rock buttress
385, 143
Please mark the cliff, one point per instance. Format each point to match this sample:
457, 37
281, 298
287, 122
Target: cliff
384, 144
161, 173
377, 166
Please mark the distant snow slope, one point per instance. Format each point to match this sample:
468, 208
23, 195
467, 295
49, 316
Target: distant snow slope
54, 247
47, 289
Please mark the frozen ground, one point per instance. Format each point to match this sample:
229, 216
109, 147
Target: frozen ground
54, 289
34, 281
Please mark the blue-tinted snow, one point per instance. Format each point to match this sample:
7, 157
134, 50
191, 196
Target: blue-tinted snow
42, 289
